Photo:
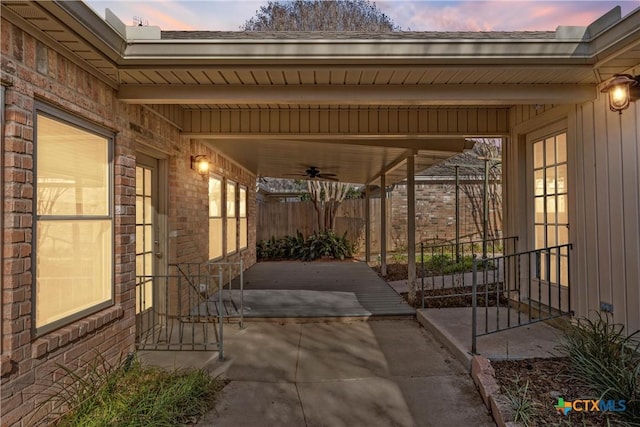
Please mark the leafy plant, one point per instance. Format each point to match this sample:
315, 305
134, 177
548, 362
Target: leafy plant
445, 264
324, 244
520, 404
607, 361
128, 394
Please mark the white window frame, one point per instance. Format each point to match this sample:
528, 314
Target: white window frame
242, 189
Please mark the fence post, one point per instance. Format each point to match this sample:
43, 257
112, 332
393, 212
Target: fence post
474, 304
457, 214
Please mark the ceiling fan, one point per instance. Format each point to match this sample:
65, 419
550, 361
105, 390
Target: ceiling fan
314, 173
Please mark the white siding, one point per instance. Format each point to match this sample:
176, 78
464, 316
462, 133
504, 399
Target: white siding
446, 121
604, 167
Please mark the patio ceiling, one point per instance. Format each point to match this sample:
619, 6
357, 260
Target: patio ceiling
193, 75
356, 161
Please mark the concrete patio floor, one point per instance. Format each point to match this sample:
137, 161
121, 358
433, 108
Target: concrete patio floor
452, 327
375, 373
313, 290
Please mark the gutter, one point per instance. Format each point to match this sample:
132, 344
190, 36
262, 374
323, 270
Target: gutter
81, 19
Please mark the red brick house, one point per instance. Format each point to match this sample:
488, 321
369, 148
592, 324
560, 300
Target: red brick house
104, 126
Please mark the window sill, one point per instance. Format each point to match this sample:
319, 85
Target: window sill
61, 337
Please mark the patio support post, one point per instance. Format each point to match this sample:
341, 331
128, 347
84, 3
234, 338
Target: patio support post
411, 225
457, 214
485, 209
367, 223
383, 224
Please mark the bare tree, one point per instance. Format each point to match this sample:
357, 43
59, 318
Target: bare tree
319, 15
326, 197
470, 169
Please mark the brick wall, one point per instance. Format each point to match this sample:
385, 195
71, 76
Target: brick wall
435, 213
33, 71
188, 204
30, 71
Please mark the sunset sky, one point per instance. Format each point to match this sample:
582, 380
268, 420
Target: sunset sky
417, 15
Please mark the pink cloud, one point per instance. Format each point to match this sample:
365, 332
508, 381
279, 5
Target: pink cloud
492, 15
419, 15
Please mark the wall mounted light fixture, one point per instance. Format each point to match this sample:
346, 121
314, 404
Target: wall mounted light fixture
200, 164
622, 89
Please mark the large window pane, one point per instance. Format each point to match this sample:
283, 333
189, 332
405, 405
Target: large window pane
231, 235
73, 224
242, 211
243, 233
215, 218
232, 242
74, 267
215, 238
231, 200
215, 197
73, 170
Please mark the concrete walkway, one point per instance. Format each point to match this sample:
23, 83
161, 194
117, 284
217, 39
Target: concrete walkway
452, 327
377, 373
313, 290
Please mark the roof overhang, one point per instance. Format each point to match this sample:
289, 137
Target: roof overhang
369, 100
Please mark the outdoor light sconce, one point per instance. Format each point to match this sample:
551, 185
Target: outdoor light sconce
200, 164
622, 89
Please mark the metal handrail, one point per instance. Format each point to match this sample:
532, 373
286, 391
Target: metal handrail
513, 275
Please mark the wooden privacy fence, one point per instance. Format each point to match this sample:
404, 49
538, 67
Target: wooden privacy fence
284, 219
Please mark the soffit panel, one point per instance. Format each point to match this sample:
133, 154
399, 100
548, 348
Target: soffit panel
40, 17
286, 159
356, 163
293, 76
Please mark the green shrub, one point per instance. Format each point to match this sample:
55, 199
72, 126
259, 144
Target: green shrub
129, 395
323, 244
607, 361
445, 264
521, 405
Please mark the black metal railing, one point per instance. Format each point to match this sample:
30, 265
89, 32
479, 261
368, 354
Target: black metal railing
527, 287
185, 308
445, 270
174, 311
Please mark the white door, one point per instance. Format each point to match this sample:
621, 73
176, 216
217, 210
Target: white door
147, 236
549, 203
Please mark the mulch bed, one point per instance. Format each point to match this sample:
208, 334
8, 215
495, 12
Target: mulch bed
454, 297
445, 297
548, 380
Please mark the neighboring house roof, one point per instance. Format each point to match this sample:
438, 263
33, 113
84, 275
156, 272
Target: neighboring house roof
358, 35
471, 166
282, 185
